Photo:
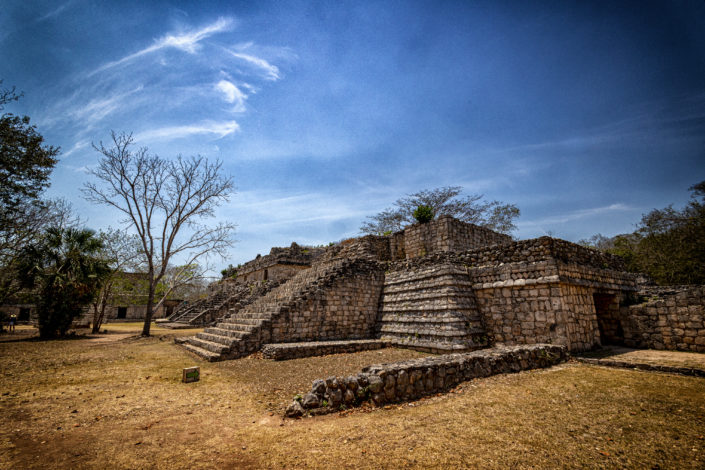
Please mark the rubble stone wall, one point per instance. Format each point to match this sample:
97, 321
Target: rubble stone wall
409, 380
674, 322
285, 351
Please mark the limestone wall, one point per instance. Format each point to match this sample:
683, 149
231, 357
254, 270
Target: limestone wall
446, 234
674, 322
276, 272
409, 380
347, 309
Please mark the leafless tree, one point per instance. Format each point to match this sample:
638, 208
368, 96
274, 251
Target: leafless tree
165, 202
122, 252
494, 215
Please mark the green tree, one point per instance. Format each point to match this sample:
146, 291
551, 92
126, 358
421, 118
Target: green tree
668, 245
494, 215
25, 165
64, 270
25, 161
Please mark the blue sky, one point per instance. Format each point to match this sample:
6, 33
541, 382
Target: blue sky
583, 114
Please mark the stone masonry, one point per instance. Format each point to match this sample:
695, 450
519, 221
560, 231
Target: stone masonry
409, 380
450, 286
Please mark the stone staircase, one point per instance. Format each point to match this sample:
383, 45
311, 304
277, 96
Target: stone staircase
431, 309
191, 310
244, 331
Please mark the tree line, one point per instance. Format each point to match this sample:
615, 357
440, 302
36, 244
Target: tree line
668, 244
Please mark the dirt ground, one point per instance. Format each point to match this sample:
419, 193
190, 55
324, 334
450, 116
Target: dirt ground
116, 401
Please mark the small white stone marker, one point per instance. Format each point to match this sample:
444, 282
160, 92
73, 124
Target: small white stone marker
191, 374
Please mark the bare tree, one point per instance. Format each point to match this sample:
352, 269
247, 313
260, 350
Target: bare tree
164, 201
494, 215
121, 252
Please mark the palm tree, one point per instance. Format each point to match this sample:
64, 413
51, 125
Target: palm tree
65, 271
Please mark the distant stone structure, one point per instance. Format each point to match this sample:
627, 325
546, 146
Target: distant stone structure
446, 286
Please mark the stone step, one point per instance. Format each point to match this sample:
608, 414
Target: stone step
234, 335
240, 325
208, 345
242, 321
214, 338
395, 329
435, 317
437, 347
230, 331
453, 283
421, 309
203, 353
416, 295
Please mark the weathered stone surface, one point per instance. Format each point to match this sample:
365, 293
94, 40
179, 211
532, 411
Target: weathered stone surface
294, 410
311, 400
432, 374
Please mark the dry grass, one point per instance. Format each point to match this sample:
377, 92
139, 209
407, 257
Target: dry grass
87, 403
650, 356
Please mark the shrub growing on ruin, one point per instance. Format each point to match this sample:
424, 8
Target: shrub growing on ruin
423, 214
494, 215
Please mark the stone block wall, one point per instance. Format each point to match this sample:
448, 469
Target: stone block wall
275, 272
345, 310
447, 234
675, 322
409, 380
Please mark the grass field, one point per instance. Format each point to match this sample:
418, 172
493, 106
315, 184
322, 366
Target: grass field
116, 401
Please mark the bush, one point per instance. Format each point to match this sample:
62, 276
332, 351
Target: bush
423, 214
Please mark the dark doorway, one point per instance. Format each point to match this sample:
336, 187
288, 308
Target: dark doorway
608, 322
24, 314
169, 310
266, 274
122, 312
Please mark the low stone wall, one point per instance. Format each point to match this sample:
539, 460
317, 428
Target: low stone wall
294, 256
446, 234
409, 380
286, 351
674, 322
372, 247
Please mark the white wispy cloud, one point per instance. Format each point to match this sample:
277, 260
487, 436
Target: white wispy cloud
574, 215
232, 94
55, 11
271, 72
81, 144
187, 42
98, 108
218, 129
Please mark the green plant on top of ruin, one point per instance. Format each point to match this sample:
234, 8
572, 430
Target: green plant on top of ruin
423, 214
494, 215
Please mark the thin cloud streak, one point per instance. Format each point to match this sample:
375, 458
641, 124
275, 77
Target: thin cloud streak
219, 129
575, 215
187, 42
271, 71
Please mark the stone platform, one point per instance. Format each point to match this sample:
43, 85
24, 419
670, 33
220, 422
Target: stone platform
284, 351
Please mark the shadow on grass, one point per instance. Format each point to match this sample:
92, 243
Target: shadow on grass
605, 352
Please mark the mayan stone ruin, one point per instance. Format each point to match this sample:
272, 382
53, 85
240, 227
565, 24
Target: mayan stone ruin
442, 287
